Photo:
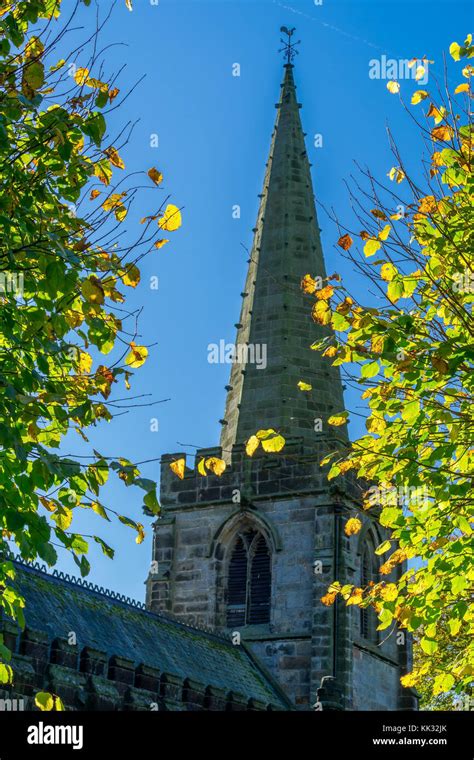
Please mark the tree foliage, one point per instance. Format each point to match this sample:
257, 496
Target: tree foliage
413, 353
63, 264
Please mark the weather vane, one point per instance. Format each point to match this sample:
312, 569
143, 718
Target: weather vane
289, 47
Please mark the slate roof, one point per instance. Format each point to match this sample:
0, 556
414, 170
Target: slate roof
57, 604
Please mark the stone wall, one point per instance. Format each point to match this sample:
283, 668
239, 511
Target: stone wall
376, 681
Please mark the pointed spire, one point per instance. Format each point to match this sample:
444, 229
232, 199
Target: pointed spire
275, 330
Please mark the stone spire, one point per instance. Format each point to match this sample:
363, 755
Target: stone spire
275, 327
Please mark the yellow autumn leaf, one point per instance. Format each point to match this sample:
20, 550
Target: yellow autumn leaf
336, 420
442, 134
202, 467
252, 445
120, 213
383, 548
129, 5
96, 84
34, 48
273, 445
63, 517
113, 201
155, 176
393, 87
114, 158
455, 50
346, 466
304, 386
131, 276
94, 194
48, 504
389, 592
160, 243
427, 205
178, 467
397, 174
418, 96
141, 534
137, 356
325, 293
419, 73
375, 425
438, 114
352, 526
261, 434
464, 87
409, 680
376, 344
85, 363
372, 246
321, 313
171, 219
216, 465
93, 291
388, 272
81, 76
356, 597
103, 171
345, 306
330, 351
308, 284
383, 234
328, 599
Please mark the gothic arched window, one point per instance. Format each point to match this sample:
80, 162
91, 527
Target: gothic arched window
368, 575
249, 581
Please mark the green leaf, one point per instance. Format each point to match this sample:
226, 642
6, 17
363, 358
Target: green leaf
6, 674
386, 617
107, 550
443, 683
370, 370
62, 517
395, 289
151, 502
383, 547
410, 411
429, 646
95, 127
44, 701
99, 510
458, 584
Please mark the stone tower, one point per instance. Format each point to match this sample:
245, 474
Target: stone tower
253, 551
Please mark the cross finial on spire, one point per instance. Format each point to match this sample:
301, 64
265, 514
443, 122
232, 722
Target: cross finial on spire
289, 47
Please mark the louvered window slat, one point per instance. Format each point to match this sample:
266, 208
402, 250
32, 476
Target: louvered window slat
368, 618
260, 584
249, 581
237, 586
365, 578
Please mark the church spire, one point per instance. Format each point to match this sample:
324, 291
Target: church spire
275, 329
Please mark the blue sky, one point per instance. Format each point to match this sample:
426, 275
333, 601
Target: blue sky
214, 132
